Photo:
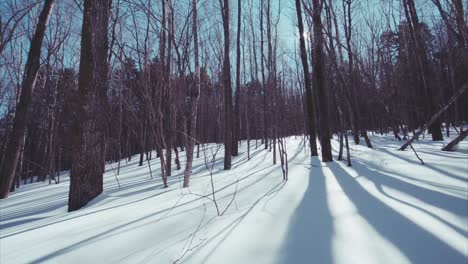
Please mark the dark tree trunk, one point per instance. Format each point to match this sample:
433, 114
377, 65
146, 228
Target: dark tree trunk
307, 82
17, 138
236, 131
264, 86
319, 81
424, 69
435, 116
86, 176
457, 140
227, 89
340, 152
170, 111
177, 160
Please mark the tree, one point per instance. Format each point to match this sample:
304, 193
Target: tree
18, 134
86, 176
416, 31
307, 81
236, 130
227, 87
194, 94
319, 81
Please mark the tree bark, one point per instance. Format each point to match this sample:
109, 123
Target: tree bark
86, 176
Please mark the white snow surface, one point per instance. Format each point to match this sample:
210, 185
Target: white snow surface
386, 208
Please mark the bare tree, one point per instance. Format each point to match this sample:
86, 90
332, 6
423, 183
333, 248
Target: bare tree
307, 81
16, 141
192, 100
319, 81
227, 87
236, 130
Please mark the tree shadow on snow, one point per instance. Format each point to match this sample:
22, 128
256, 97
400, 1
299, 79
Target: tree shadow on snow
428, 165
417, 244
310, 231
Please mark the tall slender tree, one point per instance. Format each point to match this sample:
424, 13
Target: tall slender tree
236, 131
227, 87
319, 82
425, 71
307, 81
194, 94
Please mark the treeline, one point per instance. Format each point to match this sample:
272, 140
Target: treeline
173, 75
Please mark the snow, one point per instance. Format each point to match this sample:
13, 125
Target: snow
387, 208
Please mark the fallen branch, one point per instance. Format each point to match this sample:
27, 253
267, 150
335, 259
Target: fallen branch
457, 140
191, 238
435, 116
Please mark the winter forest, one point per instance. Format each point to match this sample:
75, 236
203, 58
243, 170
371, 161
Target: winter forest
233, 131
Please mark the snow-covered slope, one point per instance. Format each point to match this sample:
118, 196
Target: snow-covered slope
387, 208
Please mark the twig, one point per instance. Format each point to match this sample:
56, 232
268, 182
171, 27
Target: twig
416, 154
233, 197
118, 183
192, 237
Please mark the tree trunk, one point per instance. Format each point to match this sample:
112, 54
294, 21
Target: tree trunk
227, 89
16, 141
307, 81
86, 176
319, 78
457, 140
435, 116
264, 86
193, 101
236, 130
426, 73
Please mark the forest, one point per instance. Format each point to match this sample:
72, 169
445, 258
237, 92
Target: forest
192, 123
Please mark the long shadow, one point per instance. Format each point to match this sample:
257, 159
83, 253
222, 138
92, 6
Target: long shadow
20, 222
227, 230
273, 191
47, 203
447, 154
444, 201
63, 218
417, 244
116, 229
428, 182
51, 203
451, 175
310, 231
437, 199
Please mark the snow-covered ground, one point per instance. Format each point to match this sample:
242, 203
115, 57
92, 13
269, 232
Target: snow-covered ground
387, 208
